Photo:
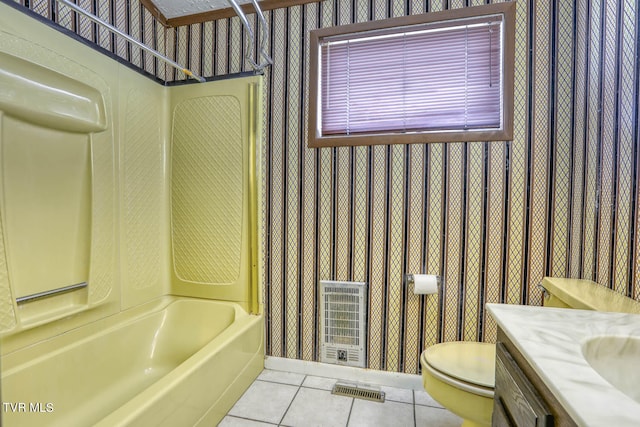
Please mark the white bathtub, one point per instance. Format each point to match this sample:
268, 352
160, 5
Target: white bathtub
172, 362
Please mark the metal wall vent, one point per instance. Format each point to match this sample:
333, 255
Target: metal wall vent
342, 320
358, 391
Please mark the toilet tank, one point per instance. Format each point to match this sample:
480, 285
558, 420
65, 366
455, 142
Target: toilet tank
585, 295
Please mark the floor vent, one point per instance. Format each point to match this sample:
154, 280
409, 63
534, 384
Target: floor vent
342, 323
358, 391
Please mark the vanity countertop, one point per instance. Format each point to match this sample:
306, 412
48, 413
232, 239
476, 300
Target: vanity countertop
551, 340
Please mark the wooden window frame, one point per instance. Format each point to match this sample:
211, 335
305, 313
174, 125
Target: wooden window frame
507, 9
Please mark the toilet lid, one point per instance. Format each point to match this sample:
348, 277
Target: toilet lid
471, 362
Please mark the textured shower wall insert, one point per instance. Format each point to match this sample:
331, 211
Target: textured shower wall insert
492, 218
206, 203
143, 196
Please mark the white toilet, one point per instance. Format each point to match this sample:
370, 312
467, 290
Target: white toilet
461, 375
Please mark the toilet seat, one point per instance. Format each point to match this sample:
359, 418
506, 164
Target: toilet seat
469, 366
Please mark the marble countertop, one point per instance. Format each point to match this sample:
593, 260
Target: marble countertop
551, 340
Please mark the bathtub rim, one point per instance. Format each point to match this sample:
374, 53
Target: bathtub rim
28, 349
127, 413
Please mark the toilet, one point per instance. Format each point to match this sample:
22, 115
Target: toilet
461, 375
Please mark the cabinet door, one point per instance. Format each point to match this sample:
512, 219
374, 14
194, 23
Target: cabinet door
500, 417
516, 397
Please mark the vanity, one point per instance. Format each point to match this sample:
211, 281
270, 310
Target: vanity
565, 367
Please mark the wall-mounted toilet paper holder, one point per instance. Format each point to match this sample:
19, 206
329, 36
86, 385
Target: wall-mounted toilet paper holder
424, 283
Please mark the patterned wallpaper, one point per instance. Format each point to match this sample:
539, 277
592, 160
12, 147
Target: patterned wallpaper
561, 199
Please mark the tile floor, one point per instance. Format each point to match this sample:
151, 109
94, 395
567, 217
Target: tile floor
290, 399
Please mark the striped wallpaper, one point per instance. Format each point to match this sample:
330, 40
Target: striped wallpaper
493, 218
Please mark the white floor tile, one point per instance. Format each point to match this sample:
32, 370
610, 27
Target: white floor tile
321, 383
281, 377
318, 408
366, 413
264, 401
398, 394
230, 421
428, 416
423, 398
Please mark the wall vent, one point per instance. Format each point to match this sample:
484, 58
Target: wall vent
342, 323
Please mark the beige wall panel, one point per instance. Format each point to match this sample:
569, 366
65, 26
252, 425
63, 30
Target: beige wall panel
325, 219
135, 31
343, 214
414, 255
437, 5
143, 191
292, 209
607, 143
519, 164
589, 242
86, 28
278, 178
579, 113
395, 257
379, 9
122, 13
453, 255
377, 244
236, 60
624, 172
361, 10
222, 40
193, 51
149, 40
308, 233
493, 277
208, 49
473, 257
434, 244
539, 155
561, 143
360, 214
397, 8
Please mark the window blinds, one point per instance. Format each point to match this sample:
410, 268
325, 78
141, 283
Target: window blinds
433, 79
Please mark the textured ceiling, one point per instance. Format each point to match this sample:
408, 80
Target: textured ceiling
177, 8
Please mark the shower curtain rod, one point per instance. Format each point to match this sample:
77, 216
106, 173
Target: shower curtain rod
132, 40
258, 66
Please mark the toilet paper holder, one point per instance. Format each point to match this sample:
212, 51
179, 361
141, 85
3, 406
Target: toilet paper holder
410, 279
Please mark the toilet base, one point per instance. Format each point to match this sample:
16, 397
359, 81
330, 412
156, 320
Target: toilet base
475, 410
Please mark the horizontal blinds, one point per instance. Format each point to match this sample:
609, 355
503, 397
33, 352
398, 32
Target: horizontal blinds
445, 79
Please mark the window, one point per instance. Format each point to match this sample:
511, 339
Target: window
443, 76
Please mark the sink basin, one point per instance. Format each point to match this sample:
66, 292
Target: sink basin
617, 360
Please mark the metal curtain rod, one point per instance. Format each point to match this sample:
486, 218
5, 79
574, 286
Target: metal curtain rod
245, 22
132, 40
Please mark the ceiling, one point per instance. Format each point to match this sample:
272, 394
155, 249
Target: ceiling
177, 8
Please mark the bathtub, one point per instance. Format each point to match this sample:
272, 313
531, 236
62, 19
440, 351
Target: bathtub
172, 362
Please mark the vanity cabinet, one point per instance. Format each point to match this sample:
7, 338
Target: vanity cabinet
521, 399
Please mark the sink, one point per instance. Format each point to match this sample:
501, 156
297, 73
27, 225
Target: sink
617, 360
